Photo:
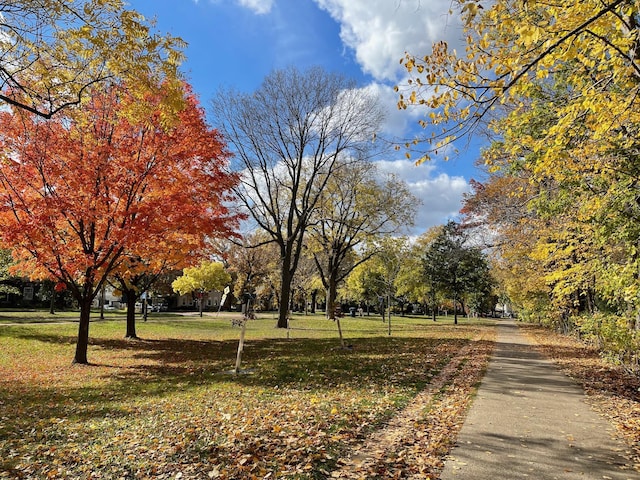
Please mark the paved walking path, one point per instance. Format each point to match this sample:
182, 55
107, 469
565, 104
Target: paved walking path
529, 420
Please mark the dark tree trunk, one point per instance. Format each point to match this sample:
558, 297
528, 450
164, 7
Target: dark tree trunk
102, 295
332, 293
83, 332
131, 314
52, 303
314, 298
455, 310
285, 298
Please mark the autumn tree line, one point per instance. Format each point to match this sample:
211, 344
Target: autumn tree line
111, 171
111, 174
555, 86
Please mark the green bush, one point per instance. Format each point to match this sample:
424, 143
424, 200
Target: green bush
614, 335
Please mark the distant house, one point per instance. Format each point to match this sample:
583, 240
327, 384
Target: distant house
211, 301
111, 300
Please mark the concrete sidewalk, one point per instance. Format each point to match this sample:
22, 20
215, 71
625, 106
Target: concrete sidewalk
529, 420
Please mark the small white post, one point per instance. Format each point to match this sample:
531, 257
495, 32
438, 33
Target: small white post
240, 348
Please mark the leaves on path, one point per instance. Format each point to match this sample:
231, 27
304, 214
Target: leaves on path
613, 391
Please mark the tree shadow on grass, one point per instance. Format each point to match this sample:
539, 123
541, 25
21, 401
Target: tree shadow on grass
184, 369
167, 366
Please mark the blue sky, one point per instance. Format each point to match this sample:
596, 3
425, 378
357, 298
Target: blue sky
236, 43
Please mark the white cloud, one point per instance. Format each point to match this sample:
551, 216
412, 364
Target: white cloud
260, 7
397, 122
440, 193
381, 31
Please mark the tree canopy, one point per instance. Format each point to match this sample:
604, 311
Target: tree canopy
52, 52
558, 84
358, 205
517, 49
202, 279
455, 268
84, 192
288, 137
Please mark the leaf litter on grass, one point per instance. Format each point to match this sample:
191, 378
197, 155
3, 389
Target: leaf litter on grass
163, 409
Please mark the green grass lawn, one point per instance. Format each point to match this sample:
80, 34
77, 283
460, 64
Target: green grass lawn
166, 407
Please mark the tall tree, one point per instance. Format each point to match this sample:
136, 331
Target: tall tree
499, 210
82, 192
252, 264
134, 278
569, 74
454, 267
377, 278
52, 52
288, 137
411, 281
364, 285
358, 204
305, 282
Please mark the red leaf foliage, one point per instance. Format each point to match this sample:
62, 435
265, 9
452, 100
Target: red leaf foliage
80, 192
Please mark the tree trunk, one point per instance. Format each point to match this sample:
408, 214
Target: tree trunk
83, 332
285, 297
102, 295
455, 310
52, 303
434, 304
131, 314
332, 294
314, 298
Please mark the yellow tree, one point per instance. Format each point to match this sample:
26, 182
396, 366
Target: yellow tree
516, 47
567, 77
357, 205
377, 278
411, 281
52, 51
206, 277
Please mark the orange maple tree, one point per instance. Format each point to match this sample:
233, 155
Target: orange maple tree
83, 194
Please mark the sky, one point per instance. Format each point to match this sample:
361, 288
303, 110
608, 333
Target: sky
236, 43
